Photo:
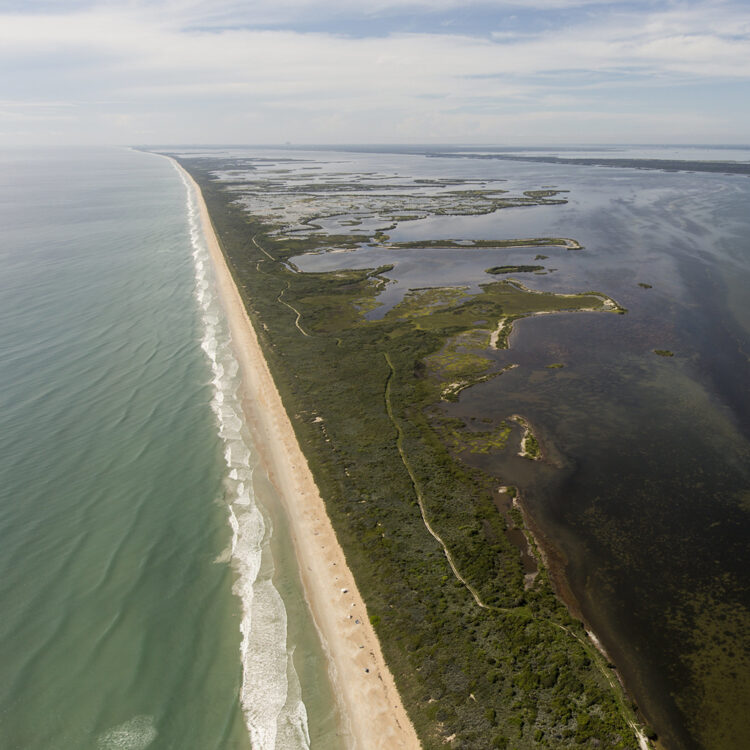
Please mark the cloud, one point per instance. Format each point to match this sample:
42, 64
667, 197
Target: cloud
158, 63
212, 13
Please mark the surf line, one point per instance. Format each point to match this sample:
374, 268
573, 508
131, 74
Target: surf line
270, 693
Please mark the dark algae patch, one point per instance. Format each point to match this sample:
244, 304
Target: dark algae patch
497, 270
499, 243
482, 656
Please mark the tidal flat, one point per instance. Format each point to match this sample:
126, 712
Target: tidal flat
416, 380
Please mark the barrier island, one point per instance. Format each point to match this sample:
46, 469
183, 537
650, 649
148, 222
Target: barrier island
483, 652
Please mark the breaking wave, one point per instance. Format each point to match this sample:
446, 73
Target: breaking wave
275, 714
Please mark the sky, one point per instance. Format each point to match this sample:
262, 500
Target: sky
505, 72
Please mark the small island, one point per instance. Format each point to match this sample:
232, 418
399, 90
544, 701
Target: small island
498, 270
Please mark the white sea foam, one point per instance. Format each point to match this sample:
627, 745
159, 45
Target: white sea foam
275, 714
136, 734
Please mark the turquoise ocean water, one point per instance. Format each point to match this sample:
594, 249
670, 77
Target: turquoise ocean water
148, 591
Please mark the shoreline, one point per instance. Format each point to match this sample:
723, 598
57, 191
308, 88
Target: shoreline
372, 712
554, 562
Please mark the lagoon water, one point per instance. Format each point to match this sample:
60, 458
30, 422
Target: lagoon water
148, 590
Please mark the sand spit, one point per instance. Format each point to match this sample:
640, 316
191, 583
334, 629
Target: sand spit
373, 714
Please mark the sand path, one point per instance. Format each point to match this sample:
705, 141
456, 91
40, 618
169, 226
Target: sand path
373, 714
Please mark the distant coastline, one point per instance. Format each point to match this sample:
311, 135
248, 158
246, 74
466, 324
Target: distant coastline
666, 165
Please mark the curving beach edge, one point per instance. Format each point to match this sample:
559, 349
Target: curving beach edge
373, 714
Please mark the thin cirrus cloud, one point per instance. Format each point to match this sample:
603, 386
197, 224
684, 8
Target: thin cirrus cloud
550, 70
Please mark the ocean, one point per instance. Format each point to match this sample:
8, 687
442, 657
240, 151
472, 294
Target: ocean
148, 588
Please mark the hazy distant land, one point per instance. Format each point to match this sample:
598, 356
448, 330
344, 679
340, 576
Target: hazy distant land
668, 165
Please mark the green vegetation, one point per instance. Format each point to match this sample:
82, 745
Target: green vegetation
458, 439
531, 447
664, 352
529, 444
537, 194
477, 656
555, 366
316, 242
418, 302
474, 244
497, 270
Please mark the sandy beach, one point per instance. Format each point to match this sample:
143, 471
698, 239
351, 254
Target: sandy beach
373, 714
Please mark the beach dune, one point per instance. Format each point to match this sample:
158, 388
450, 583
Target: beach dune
373, 714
